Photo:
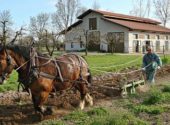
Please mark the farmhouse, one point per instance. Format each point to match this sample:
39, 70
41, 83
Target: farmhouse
107, 31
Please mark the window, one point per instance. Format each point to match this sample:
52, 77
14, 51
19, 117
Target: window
72, 46
157, 37
81, 44
148, 36
166, 37
157, 46
92, 24
135, 36
166, 45
136, 45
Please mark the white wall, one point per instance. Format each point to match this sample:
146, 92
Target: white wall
76, 46
103, 26
153, 41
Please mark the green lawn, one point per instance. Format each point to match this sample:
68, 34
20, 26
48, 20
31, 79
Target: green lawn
112, 63
98, 64
11, 83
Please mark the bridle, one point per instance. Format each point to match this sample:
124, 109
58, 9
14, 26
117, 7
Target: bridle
5, 73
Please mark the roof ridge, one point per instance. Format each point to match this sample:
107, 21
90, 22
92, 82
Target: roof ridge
125, 16
139, 25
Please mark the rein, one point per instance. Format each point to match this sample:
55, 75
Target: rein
22, 65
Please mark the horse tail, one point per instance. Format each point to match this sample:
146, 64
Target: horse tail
89, 77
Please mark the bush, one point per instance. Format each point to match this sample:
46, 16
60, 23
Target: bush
155, 97
52, 122
148, 109
118, 118
165, 60
166, 89
98, 111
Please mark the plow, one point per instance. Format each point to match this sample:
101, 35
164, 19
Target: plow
124, 83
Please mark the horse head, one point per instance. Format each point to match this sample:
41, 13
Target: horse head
7, 64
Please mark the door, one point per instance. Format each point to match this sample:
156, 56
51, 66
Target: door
157, 46
136, 46
166, 45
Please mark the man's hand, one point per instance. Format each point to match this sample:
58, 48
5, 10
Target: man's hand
158, 67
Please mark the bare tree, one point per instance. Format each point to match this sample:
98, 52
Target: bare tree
91, 38
51, 42
38, 25
81, 10
5, 24
96, 5
66, 13
17, 33
115, 41
162, 8
110, 38
25, 40
141, 8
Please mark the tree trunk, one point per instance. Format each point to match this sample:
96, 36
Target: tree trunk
86, 49
112, 48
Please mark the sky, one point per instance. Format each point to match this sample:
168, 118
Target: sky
22, 10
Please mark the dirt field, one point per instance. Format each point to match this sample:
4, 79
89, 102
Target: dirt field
17, 108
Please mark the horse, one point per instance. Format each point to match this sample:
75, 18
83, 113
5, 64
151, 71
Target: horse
41, 75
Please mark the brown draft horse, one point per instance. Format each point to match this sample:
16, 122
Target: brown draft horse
42, 75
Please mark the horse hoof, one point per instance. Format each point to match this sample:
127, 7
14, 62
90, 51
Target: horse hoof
49, 111
39, 116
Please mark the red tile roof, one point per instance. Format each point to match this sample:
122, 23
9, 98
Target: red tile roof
132, 25
119, 16
130, 22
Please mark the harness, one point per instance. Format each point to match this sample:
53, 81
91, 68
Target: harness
33, 70
9, 64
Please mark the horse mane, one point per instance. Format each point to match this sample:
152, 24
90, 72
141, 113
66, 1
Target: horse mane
23, 51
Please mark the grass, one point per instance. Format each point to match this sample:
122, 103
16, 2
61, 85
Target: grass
166, 88
116, 62
112, 63
154, 102
11, 83
98, 116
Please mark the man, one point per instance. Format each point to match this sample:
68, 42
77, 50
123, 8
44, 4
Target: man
151, 62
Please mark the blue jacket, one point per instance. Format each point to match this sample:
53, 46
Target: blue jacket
151, 58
